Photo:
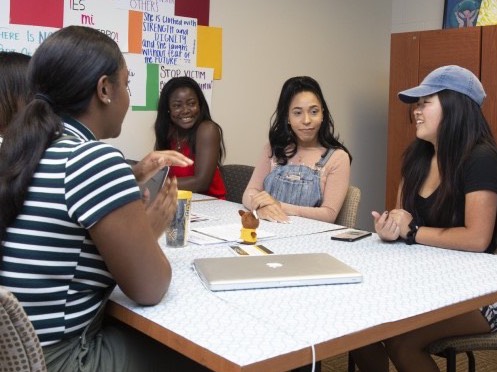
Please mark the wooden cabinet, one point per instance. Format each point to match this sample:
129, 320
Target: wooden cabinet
412, 56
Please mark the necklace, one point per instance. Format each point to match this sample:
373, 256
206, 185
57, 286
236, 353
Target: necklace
179, 143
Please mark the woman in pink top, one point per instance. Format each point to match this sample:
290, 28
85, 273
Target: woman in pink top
304, 170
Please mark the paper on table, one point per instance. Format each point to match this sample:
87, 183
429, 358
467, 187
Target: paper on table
229, 233
197, 217
202, 239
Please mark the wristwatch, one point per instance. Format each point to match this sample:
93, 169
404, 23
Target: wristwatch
411, 235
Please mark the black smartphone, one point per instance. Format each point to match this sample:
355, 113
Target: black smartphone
351, 235
156, 183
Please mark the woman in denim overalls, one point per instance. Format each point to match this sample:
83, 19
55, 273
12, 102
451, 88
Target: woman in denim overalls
304, 170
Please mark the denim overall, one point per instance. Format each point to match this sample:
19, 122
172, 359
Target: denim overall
297, 184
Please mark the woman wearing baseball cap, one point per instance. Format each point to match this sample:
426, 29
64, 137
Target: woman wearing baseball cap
447, 198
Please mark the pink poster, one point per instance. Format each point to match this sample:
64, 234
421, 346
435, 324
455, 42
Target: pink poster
47, 13
193, 9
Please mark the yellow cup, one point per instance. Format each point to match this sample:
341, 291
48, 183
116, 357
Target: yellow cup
177, 232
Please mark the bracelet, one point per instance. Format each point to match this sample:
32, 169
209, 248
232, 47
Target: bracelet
411, 235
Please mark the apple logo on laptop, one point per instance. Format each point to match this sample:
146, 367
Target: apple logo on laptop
274, 265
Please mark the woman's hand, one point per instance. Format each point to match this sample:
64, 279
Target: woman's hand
156, 160
162, 209
385, 227
402, 218
268, 208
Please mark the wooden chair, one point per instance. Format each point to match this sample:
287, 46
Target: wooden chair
236, 178
449, 347
20, 348
348, 213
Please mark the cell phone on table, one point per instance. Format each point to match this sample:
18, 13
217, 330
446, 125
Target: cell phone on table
351, 235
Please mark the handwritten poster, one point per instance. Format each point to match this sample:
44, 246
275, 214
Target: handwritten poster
203, 76
169, 40
20, 38
101, 15
137, 75
23, 39
150, 6
159, 38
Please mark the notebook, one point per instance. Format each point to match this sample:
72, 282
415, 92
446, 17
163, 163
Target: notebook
269, 271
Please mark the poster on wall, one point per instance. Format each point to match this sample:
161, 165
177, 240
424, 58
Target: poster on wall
203, 76
20, 37
169, 40
461, 13
137, 74
149, 6
488, 13
152, 34
96, 15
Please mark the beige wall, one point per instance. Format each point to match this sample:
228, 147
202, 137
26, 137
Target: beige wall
343, 44
419, 15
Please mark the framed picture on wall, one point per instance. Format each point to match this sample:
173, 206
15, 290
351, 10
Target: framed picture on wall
461, 13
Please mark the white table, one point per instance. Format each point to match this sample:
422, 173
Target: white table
224, 212
404, 288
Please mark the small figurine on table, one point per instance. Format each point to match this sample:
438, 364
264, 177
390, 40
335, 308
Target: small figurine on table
250, 223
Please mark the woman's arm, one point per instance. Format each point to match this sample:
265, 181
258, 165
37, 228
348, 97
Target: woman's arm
255, 198
476, 234
127, 240
206, 158
255, 185
156, 160
335, 188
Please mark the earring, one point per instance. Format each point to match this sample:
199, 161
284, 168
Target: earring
108, 100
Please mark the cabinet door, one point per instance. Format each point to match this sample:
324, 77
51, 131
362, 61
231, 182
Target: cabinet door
413, 56
456, 46
489, 75
404, 64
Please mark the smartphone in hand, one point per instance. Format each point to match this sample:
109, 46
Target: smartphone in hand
351, 235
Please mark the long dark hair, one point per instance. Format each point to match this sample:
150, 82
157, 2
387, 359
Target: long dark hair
462, 127
166, 131
282, 139
14, 92
63, 75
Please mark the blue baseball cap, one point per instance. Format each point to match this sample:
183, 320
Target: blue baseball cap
447, 77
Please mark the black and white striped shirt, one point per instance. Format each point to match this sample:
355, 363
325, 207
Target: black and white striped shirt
49, 260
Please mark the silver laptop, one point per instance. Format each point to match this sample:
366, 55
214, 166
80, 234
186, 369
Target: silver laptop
285, 270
